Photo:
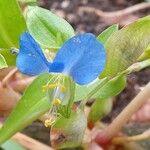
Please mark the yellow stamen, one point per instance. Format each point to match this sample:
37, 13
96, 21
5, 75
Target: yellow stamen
52, 86
49, 122
56, 102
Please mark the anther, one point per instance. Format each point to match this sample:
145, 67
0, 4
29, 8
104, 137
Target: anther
48, 122
56, 102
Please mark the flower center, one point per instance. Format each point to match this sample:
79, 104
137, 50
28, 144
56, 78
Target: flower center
58, 90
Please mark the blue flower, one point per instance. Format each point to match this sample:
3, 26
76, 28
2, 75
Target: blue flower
82, 57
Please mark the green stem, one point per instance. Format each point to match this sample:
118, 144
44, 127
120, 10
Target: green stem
137, 67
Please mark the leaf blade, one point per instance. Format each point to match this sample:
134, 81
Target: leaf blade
103, 37
29, 108
111, 88
125, 46
12, 24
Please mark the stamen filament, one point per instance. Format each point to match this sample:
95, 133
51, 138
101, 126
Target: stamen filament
45, 88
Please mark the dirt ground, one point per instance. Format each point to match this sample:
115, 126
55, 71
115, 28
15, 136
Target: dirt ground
90, 22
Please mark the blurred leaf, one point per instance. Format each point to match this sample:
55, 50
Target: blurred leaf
33, 104
3, 63
125, 46
100, 108
9, 57
12, 23
68, 132
27, 1
48, 29
146, 54
103, 37
111, 88
12, 145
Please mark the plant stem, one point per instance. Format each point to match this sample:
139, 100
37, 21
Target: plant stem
143, 136
8, 76
29, 143
137, 66
113, 129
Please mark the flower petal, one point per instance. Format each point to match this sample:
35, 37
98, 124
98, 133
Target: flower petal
83, 58
31, 60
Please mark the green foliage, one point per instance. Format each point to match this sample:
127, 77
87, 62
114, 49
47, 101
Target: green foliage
9, 57
48, 29
12, 145
99, 109
103, 37
110, 88
12, 23
33, 104
69, 132
125, 46
3, 63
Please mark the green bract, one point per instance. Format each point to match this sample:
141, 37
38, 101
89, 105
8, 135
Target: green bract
70, 131
48, 29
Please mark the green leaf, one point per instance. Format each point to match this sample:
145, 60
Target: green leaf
9, 57
99, 109
125, 46
68, 132
12, 145
3, 63
146, 54
111, 88
103, 37
33, 104
12, 23
48, 29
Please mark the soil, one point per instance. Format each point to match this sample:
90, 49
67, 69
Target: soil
88, 22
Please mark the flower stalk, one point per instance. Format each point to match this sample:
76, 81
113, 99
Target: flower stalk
145, 135
113, 129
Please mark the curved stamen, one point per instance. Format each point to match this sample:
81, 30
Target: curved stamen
45, 88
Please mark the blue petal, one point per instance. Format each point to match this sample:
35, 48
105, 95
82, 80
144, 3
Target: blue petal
31, 60
83, 58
